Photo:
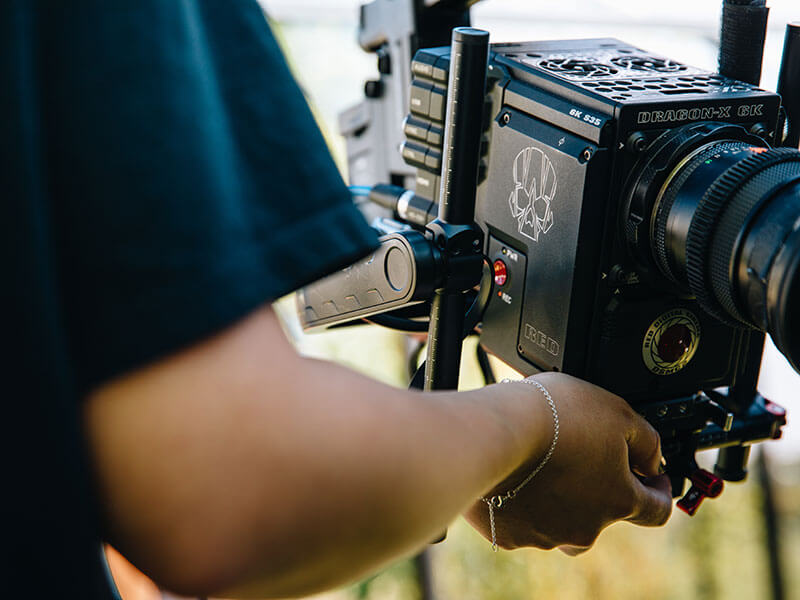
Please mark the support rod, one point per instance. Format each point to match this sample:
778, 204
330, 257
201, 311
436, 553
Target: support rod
469, 56
789, 83
465, 96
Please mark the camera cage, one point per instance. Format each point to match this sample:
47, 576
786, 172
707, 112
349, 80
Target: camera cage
437, 262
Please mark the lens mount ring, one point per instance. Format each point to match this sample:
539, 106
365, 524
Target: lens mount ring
667, 196
706, 219
646, 185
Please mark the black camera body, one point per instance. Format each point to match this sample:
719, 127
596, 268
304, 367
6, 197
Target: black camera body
568, 150
637, 219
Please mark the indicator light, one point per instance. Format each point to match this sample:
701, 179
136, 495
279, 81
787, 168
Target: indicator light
500, 272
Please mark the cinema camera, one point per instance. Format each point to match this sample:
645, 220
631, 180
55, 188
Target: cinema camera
631, 221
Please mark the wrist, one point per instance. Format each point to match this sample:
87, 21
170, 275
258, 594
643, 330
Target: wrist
519, 418
496, 500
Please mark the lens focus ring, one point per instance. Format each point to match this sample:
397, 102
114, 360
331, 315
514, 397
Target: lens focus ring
732, 226
710, 280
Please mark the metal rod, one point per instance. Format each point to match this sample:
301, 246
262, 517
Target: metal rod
424, 572
465, 97
731, 462
772, 528
469, 56
445, 338
744, 391
789, 83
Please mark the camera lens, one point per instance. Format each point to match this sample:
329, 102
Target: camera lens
725, 225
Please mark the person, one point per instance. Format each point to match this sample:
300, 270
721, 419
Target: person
163, 183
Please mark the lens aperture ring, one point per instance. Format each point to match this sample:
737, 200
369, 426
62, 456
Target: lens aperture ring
716, 295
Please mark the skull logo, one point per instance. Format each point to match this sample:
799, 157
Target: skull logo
535, 187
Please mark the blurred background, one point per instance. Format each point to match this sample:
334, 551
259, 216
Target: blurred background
719, 553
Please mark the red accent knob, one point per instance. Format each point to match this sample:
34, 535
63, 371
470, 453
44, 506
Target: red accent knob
704, 485
500, 272
708, 483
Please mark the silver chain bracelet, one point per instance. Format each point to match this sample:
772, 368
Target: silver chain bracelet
496, 502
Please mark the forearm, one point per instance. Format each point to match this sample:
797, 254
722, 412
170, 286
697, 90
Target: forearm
304, 475
392, 469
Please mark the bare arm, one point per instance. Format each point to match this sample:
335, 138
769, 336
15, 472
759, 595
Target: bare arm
239, 468
240, 465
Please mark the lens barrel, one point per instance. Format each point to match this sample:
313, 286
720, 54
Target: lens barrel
723, 223
768, 271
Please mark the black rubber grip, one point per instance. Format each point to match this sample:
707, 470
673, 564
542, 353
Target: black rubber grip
732, 224
742, 36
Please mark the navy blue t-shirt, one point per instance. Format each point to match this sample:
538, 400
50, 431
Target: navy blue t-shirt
161, 177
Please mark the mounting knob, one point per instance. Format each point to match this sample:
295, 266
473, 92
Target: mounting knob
704, 485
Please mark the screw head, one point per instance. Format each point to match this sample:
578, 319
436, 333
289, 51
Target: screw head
759, 129
662, 410
637, 143
505, 119
587, 154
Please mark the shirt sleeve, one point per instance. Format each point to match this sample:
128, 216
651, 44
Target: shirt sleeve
188, 180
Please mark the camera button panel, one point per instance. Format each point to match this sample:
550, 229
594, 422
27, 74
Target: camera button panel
504, 308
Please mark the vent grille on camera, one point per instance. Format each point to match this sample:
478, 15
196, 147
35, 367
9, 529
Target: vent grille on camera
618, 71
622, 89
577, 67
648, 63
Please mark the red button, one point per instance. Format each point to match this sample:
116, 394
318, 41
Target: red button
500, 272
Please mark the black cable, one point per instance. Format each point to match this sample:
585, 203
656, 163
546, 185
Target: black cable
413, 359
418, 380
486, 367
398, 323
473, 316
772, 538
478, 307
354, 323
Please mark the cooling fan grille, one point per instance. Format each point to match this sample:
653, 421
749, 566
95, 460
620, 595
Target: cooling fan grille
582, 68
648, 63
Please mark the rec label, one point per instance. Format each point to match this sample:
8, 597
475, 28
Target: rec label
699, 114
